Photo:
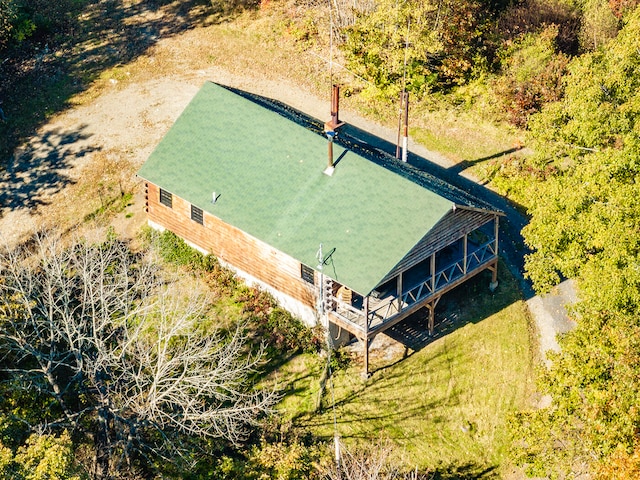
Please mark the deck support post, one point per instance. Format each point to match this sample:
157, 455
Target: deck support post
365, 340
494, 269
494, 276
431, 307
433, 272
399, 291
365, 370
496, 232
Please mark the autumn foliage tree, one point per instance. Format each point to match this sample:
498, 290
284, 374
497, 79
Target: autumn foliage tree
533, 71
439, 42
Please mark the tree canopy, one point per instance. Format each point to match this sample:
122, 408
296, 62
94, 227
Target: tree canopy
585, 223
439, 43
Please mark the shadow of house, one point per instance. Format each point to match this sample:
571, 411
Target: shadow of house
359, 250
459, 307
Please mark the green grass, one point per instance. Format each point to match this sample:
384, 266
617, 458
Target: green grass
445, 404
110, 204
461, 136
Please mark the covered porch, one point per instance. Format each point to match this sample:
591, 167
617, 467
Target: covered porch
437, 265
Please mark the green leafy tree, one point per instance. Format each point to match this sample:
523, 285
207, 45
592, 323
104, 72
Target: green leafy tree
532, 75
585, 224
7, 18
591, 139
42, 457
599, 24
440, 43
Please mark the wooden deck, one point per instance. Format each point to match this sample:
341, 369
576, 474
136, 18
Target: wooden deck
378, 314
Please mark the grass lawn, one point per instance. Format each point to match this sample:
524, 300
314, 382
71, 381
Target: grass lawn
446, 403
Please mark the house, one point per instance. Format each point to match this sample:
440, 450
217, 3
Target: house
358, 250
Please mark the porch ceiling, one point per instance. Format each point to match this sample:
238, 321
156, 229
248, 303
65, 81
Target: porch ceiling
454, 225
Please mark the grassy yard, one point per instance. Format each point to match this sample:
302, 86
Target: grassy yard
445, 404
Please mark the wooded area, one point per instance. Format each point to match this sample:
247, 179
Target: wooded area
562, 76
584, 225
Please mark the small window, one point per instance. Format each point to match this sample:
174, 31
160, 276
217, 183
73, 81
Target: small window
307, 274
196, 215
166, 198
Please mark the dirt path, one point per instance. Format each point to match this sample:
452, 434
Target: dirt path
129, 118
48, 182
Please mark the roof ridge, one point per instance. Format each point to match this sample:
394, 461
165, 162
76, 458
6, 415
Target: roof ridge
376, 155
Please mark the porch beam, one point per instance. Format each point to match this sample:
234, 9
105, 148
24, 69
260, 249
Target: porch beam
366, 337
349, 326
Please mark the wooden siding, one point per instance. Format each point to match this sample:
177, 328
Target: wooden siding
232, 245
453, 226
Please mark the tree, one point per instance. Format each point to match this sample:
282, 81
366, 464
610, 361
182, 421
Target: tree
117, 351
43, 457
599, 24
585, 223
532, 75
440, 43
372, 463
581, 214
7, 17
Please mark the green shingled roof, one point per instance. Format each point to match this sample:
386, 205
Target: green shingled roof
268, 171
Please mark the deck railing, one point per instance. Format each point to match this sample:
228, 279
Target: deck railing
443, 277
349, 312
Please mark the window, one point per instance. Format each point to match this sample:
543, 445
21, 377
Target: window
307, 274
166, 198
196, 215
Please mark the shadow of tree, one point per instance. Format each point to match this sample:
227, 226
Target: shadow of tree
464, 164
471, 302
467, 471
39, 81
41, 169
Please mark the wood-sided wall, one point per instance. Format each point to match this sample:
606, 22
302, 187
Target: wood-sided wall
252, 258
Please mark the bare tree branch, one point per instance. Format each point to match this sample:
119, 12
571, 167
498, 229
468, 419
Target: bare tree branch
96, 328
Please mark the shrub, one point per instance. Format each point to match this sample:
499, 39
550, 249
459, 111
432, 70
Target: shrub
533, 16
533, 73
278, 329
620, 465
270, 324
43, 457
